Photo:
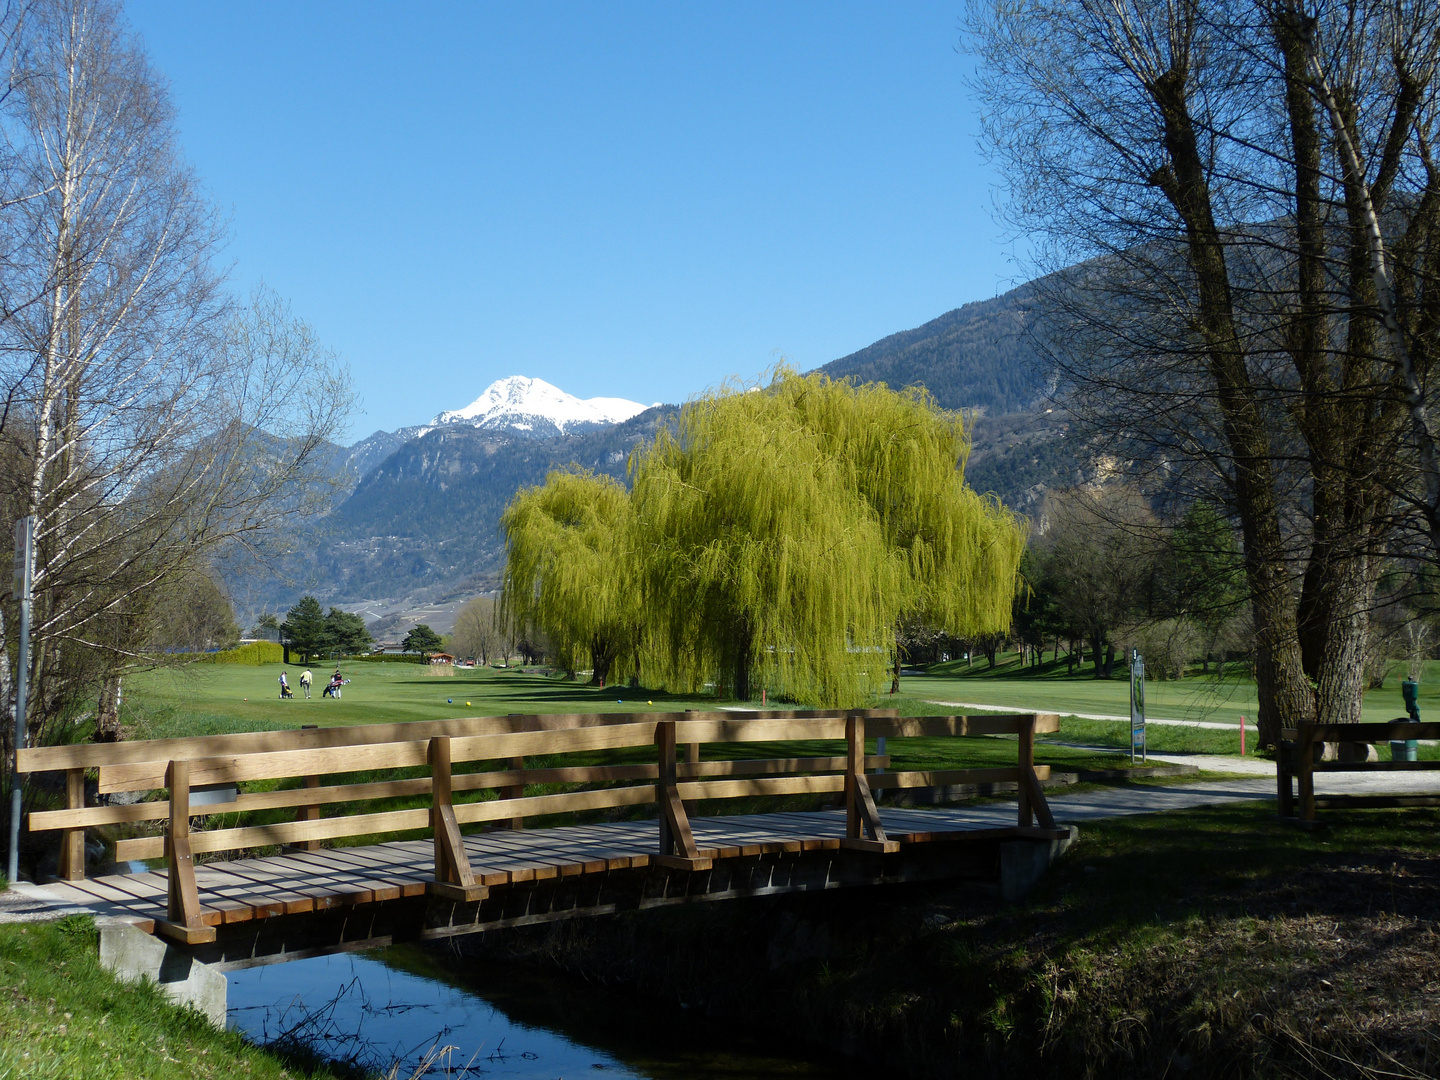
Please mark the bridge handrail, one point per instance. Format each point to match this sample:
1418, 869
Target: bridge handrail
439, 745
36, 759
291, 798
1295, 764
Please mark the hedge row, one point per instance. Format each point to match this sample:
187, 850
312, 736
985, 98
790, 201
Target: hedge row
257, 653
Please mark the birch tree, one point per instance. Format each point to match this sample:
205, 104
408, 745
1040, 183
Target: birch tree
154, 424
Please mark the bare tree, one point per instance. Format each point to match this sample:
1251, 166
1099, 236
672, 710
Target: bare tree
1239, 184
1097, 555
154, 424
476, 630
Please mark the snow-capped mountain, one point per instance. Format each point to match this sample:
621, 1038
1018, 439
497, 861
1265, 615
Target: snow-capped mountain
518, 406
535, 406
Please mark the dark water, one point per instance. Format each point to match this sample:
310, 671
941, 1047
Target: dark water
401, 1005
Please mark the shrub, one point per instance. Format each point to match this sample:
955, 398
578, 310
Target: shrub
257, 653
1167, 646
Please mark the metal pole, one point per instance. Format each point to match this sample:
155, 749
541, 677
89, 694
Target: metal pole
24, 572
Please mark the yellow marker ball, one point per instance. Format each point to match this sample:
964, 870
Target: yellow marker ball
649, 703
467, 704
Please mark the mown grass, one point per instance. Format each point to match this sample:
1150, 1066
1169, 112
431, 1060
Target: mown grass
1214, 697
213, 698
63, 1016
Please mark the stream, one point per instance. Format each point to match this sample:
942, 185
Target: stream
410, 1006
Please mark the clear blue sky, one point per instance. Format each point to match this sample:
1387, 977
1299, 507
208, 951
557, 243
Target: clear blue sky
633, 200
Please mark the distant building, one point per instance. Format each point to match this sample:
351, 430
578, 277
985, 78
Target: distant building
441, 658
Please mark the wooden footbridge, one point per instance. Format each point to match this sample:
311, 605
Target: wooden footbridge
244, 796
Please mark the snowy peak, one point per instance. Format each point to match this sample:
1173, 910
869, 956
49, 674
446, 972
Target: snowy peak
534, 406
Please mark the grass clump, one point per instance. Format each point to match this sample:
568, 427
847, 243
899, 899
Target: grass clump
64, 1016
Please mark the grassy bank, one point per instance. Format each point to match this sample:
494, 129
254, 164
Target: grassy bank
63, 1016
1214, 943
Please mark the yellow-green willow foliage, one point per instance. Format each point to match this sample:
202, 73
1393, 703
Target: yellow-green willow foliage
783, 532
906, 457
569, 570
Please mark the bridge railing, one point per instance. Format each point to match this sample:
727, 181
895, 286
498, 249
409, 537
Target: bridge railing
1296, 765
203, 776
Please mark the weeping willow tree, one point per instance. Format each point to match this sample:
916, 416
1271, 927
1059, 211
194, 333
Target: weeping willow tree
757, 556
569, 571
776, 536
906, 457
784, 532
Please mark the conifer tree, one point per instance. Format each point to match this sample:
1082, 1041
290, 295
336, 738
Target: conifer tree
304, 629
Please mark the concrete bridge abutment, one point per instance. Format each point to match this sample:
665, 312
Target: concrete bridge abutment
133, 955
1024, 862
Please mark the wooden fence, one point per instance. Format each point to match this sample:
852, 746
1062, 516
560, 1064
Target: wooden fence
203, 776
1296, 765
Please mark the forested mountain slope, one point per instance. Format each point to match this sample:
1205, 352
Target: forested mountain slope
977, 356
424, 518
429, 514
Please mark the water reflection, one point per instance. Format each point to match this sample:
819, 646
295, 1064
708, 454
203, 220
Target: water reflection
359, 1010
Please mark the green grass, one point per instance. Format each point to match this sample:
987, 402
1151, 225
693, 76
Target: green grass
1195, 697
1181, 944
211, 698
63, 1016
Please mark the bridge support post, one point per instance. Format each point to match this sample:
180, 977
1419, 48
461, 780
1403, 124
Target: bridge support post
1032, 795
454, 878
514, 791
72, 841
309, 813
182, 905
860, 812
677, 842
133, 956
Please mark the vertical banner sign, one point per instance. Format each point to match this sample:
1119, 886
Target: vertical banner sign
1137, 705
24, 576
24, 556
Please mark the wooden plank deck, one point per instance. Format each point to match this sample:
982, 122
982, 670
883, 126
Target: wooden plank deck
297, 882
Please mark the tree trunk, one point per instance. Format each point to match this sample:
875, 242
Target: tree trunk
1283, 692
602, 659
107, 713
743, 643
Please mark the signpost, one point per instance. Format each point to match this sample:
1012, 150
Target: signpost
1137, 706
24, 576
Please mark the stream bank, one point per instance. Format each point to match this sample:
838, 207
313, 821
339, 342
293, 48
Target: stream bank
1214, 942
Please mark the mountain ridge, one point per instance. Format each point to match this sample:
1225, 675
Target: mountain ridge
422, 512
